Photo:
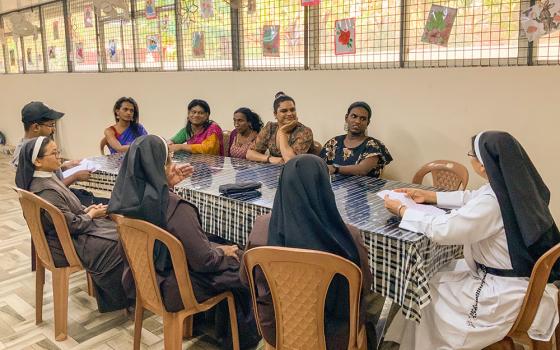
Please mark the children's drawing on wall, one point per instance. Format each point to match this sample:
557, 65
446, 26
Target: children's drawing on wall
198, 45
345, 36
150, 9
271, 41
541, 19
206, 8
310, 2
112, 51
55, 30
152, 43
51, 51
438, 25
88, 16
79, 52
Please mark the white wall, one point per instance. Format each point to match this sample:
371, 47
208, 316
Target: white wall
420, 114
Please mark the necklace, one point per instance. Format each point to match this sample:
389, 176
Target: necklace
240, 141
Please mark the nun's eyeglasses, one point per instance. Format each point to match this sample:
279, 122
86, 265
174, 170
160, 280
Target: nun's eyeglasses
55, 153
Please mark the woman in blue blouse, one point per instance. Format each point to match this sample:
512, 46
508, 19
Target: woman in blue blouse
355, 153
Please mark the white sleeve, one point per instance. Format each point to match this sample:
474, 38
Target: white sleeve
453, 200
479, 219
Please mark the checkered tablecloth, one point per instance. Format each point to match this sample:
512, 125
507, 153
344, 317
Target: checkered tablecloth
402, 262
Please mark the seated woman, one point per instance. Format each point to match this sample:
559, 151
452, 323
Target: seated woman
143, 190
505, 226
247, 125
283, 139
126, 128
200, 135
94, 236
355, 153
316, 224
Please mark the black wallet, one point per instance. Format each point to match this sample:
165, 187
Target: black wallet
240, 187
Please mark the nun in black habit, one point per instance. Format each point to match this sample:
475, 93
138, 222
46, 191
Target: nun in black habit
142, 191
505, 227
93, 234
304, 215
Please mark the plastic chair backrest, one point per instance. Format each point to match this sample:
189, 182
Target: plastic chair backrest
446, 174
226, 134
138, 238
31, 206
299, 280
535, 290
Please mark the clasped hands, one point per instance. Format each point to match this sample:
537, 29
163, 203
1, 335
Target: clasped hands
417, 195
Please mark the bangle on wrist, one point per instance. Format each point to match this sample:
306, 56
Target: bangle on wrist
399, 210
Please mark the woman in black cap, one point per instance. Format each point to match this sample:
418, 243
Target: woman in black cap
505, 227
142, 191
304, 215
94, 236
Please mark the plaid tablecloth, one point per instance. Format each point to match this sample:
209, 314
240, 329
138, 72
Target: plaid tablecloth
402, 262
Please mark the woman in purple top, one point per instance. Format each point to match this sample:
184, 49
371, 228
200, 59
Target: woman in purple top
126, 128
247, 126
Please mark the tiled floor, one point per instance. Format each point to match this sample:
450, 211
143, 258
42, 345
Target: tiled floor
87, 328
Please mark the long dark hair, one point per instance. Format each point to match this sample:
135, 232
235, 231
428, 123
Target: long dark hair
253, 118
135, 115
204, 105
279, 98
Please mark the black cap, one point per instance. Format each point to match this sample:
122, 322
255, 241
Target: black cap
36, 111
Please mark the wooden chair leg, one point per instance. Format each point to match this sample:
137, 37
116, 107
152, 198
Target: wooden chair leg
60, 297
90, 288
138, 319
233, 322
39, 284
188, 327
33, 257
172, 331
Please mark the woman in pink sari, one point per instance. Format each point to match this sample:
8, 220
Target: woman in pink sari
200, 135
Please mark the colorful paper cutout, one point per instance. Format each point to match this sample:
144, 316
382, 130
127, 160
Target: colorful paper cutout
438, 25
150, 9
112, 51
206, 8
55, 30
152, 43
271, 41
88, 16
198, 45
345, 36
79, 52
541, 19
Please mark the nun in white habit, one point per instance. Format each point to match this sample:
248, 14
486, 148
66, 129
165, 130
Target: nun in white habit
504, 226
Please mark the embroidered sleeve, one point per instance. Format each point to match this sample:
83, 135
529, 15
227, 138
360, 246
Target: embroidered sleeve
377, 148
329, 150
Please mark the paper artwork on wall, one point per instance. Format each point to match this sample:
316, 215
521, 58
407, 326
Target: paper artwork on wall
271, 41
88, 16
79, 52
51, 51
150, 9
345, 36
541, 19
198, 45
206, 8
439, 25
55, 30
112, 51
310, 2
152, 43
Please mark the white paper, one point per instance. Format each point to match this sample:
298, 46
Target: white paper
425, 208
84, 165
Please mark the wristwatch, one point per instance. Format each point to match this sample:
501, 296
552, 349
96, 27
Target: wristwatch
336, 168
